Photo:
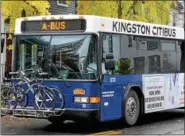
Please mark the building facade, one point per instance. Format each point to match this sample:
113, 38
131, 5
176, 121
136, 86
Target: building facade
61, 7
177, 15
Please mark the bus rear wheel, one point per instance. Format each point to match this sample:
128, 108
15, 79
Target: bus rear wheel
131, 108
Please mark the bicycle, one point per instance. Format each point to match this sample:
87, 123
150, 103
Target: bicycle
17, 89
45, 92
21, 94
60, 101
14, 94
38, 90
7, 96
42, 95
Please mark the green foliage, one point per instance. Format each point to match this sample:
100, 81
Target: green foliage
123, 66
68, 2
146, 11
14, 9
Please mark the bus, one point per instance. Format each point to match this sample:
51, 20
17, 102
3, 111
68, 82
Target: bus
108, 68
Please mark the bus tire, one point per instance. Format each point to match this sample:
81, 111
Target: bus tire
131, 108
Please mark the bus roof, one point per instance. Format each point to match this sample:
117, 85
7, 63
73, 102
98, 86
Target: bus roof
95, 24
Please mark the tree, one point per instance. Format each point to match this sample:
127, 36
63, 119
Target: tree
15, 9
104, 8
147, 11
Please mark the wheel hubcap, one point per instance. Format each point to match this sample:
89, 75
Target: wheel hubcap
131, 107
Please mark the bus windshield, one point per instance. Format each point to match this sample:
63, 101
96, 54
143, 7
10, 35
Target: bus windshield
62, 56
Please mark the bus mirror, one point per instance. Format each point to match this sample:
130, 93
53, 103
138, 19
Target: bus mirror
109, 56
2, 45
109, 62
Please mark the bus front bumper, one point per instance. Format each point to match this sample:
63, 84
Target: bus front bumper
66, 114
80, 114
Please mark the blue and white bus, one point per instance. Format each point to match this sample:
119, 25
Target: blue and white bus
110, 68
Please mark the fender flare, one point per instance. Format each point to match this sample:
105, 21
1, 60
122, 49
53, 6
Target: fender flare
128, 89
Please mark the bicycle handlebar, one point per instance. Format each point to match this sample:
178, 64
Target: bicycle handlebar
13, 73
27, 79
38, 72
43, 74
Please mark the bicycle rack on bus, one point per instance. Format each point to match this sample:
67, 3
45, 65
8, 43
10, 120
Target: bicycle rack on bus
30, 112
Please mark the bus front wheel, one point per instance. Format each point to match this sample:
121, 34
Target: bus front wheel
131, 108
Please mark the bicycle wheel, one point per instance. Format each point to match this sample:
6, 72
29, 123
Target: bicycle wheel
22, 97
8, 98
44, 99
60, 101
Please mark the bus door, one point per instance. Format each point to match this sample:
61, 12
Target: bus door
111, 98
111, 89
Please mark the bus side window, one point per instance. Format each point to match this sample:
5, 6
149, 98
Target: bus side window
2, 45
182, 60
178, 46
111, 44
107, 44
130, 41
180, 56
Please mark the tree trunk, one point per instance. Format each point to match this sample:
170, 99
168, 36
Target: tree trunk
119, 9
23, 14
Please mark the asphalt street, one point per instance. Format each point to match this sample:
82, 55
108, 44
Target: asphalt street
168, 122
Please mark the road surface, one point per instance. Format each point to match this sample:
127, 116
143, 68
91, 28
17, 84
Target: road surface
168, 122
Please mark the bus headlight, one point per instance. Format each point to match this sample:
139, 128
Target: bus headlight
81, 99
87, 100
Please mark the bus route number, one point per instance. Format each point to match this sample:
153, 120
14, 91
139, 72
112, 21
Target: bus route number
54, 25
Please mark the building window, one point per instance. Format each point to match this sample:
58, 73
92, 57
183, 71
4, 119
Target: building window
62, 3
174, 19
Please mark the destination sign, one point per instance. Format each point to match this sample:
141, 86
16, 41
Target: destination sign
53, 25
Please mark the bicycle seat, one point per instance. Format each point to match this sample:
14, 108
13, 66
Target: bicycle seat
13, 73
